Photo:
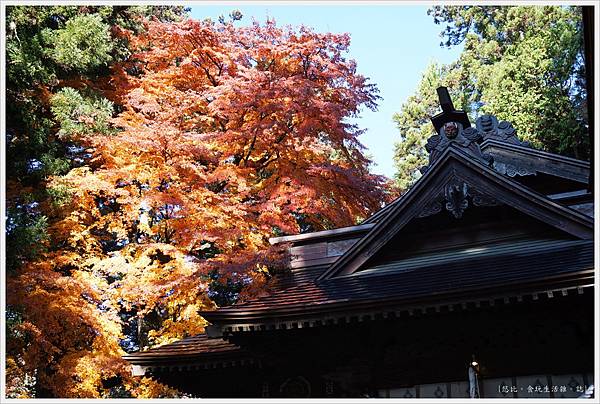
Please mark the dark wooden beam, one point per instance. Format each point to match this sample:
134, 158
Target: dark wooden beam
324, 234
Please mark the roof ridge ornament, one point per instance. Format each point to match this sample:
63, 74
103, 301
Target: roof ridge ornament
449, 113
453, 128
490, 128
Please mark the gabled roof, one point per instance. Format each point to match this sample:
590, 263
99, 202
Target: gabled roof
454, 173
553, 251
355, 287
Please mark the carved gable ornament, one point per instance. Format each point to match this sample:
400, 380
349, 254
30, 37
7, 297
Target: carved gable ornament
456, 197
454, 128
504, 132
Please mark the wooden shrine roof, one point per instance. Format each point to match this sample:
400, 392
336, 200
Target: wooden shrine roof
500, 274
506, 271
198, 348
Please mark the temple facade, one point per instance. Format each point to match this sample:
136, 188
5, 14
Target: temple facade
478, 282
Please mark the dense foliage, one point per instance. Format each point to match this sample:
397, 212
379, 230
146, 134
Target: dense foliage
60, 340
151, 160
523, 64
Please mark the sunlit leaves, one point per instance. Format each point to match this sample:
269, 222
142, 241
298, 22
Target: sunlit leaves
80, 115
66, 340
83, 43
215, 139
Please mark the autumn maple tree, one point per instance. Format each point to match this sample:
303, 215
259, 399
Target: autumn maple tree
195, 150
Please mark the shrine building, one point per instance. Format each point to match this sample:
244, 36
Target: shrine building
477, 282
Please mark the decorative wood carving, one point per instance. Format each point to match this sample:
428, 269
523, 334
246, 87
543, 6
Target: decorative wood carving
297, 387
487, 127
456, 198
431, 209
533, 160
481, 199
512, 170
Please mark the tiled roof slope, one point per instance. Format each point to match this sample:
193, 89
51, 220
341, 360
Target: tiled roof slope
507, 267
195, 348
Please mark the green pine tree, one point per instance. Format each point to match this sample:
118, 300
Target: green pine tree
523, 64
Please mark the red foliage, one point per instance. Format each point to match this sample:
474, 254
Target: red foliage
227, 136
